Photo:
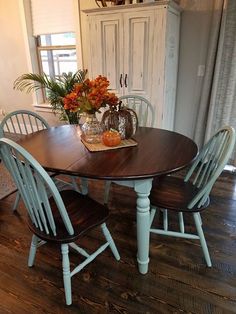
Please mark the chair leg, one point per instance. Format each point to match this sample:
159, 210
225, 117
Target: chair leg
106, 192
200, 218
111, 242
33, 249
202, 239
16, 203
181, 222
84, 186
66, 273
165, 219
74, 184
152, 214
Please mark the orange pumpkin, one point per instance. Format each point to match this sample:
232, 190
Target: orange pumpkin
111, 138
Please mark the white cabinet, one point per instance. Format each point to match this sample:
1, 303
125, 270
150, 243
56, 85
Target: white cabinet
136, 48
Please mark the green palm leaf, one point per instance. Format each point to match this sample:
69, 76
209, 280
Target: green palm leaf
55, 88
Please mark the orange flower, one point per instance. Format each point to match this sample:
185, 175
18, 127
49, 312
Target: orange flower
90, 96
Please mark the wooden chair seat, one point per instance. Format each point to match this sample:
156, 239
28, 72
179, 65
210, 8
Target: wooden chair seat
174, 194
84, 214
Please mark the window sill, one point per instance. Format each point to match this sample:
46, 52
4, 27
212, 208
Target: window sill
43, 107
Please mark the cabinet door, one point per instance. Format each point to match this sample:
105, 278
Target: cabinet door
106, 47
138, 52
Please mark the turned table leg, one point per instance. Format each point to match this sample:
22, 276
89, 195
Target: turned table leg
143, 188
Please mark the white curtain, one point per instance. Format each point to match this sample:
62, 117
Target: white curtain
218, 100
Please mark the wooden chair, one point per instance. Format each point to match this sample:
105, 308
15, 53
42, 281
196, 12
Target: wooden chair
26, 122
190, 195
61, 219
145, 114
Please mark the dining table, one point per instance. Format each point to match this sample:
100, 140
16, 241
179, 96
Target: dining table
158, 152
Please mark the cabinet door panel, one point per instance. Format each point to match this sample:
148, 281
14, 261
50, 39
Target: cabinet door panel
138, 43
107, 46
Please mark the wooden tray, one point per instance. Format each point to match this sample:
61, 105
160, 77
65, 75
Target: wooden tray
101, 147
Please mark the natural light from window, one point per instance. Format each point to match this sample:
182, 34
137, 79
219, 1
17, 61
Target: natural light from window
57, 53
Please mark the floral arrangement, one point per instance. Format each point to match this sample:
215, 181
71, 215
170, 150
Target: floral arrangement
70, 94
89, 96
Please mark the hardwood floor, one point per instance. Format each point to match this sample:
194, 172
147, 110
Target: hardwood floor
178, 280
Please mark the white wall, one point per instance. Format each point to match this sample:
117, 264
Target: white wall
194, 38
13, 61
12, 57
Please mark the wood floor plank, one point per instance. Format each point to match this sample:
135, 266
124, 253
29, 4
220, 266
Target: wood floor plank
178, 280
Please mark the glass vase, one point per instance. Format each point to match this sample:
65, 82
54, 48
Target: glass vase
91, 129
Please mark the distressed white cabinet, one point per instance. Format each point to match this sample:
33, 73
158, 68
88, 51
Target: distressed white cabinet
136, 48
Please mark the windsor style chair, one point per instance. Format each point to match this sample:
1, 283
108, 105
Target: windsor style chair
62, 218
22, 122
142, 107
145, 114
190, 195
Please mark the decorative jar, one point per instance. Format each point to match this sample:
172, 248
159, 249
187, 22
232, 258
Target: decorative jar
110, 119
122, 119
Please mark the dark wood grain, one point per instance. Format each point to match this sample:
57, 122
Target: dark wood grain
84, 214
178, 280
158, 152
173, 193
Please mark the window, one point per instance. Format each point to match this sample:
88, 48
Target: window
57, 53
53, 40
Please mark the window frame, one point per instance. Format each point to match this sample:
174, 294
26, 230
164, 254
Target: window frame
40, 48
31, 48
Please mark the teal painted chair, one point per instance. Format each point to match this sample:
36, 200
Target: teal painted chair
142, 107
26, 122
190, 195
61, 219
146, 117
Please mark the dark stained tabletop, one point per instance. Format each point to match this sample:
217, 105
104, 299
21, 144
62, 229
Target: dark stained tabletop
60, 149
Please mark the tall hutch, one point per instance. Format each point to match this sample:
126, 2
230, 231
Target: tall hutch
136, 47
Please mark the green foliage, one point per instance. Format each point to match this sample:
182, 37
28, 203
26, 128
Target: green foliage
55, 88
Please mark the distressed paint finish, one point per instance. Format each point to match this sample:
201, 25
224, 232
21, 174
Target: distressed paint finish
137, 47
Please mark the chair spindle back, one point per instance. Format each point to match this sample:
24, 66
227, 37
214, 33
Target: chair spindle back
210, 163
33, 183
23, 122
142, 107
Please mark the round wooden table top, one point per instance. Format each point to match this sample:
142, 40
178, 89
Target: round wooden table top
60, 149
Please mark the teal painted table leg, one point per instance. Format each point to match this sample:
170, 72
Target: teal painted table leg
143, 188
84, 186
